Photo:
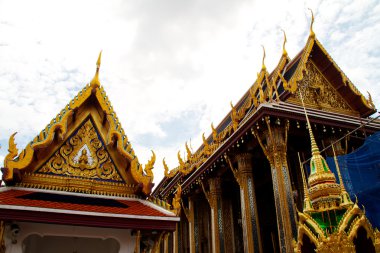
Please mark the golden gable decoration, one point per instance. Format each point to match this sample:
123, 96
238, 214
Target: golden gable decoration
82, 155
318, 92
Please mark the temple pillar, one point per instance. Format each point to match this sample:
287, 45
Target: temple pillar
138, 240
228, 225
275, 151
166, 243
250, 221
214, 198
189, 212
175, 240
2, 243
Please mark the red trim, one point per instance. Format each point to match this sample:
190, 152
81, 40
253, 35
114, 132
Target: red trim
84, 220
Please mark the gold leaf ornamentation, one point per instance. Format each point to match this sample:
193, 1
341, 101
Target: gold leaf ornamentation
318, 91
82, 155
12, 149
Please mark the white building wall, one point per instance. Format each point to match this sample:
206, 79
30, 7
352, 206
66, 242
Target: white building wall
122, 236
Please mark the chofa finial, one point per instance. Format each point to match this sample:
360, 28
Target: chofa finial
312, 34
263, 63
95, 81
283, 45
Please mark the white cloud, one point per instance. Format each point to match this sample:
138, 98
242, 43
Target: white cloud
165, 61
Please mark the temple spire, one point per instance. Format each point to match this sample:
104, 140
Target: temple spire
307, 206
284, 52
345, 198
95, 81
324, 191
312, 34
314, 147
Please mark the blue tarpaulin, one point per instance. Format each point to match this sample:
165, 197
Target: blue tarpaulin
360, 171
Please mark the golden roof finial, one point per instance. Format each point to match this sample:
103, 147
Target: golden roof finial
283, 45
214, 133
166, 168
95, 81
345, 198
180, 161
312, 34
12, 149
263, 63
188, 151
307, 204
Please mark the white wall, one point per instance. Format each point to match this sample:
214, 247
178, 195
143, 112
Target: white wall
122, 236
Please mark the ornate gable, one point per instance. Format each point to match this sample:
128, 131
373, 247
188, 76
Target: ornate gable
83, 149
320, 93
329, 88
82, 155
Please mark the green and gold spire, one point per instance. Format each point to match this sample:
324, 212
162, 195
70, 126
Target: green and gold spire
324, 191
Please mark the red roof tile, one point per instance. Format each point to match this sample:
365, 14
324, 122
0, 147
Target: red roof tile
15, 197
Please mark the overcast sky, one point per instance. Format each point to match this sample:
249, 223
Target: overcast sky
169, 67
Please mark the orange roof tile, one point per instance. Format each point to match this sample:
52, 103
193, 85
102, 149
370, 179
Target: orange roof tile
121, 206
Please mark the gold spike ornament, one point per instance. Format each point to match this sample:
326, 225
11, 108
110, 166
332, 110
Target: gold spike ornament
95, 83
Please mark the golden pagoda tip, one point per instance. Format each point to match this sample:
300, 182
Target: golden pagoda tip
312, 34
95, 81
98, 62
283, 45
263, 62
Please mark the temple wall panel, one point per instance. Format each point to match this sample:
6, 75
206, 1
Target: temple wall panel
39, 238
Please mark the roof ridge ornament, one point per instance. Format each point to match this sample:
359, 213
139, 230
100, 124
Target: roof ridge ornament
312, 34
284, 52
263, 62
95, 83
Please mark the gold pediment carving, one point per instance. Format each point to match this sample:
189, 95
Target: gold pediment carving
318, 92
82, 155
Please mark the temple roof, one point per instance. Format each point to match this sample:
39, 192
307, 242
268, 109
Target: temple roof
278, 90
47, 206
83, 149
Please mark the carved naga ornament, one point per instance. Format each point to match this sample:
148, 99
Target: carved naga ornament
144, 175
176, 203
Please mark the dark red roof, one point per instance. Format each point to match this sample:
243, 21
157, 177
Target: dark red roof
79, 202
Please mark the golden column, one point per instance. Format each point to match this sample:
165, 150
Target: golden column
166, 243
275, 150
250, 221
175, 240
189, 212
214, 198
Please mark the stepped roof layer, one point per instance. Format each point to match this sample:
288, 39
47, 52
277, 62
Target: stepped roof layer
334, 98
71, 208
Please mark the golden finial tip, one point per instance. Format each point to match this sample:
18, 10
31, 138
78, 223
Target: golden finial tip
99, 61
283, 45
95, 81
263, 63
312, 34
